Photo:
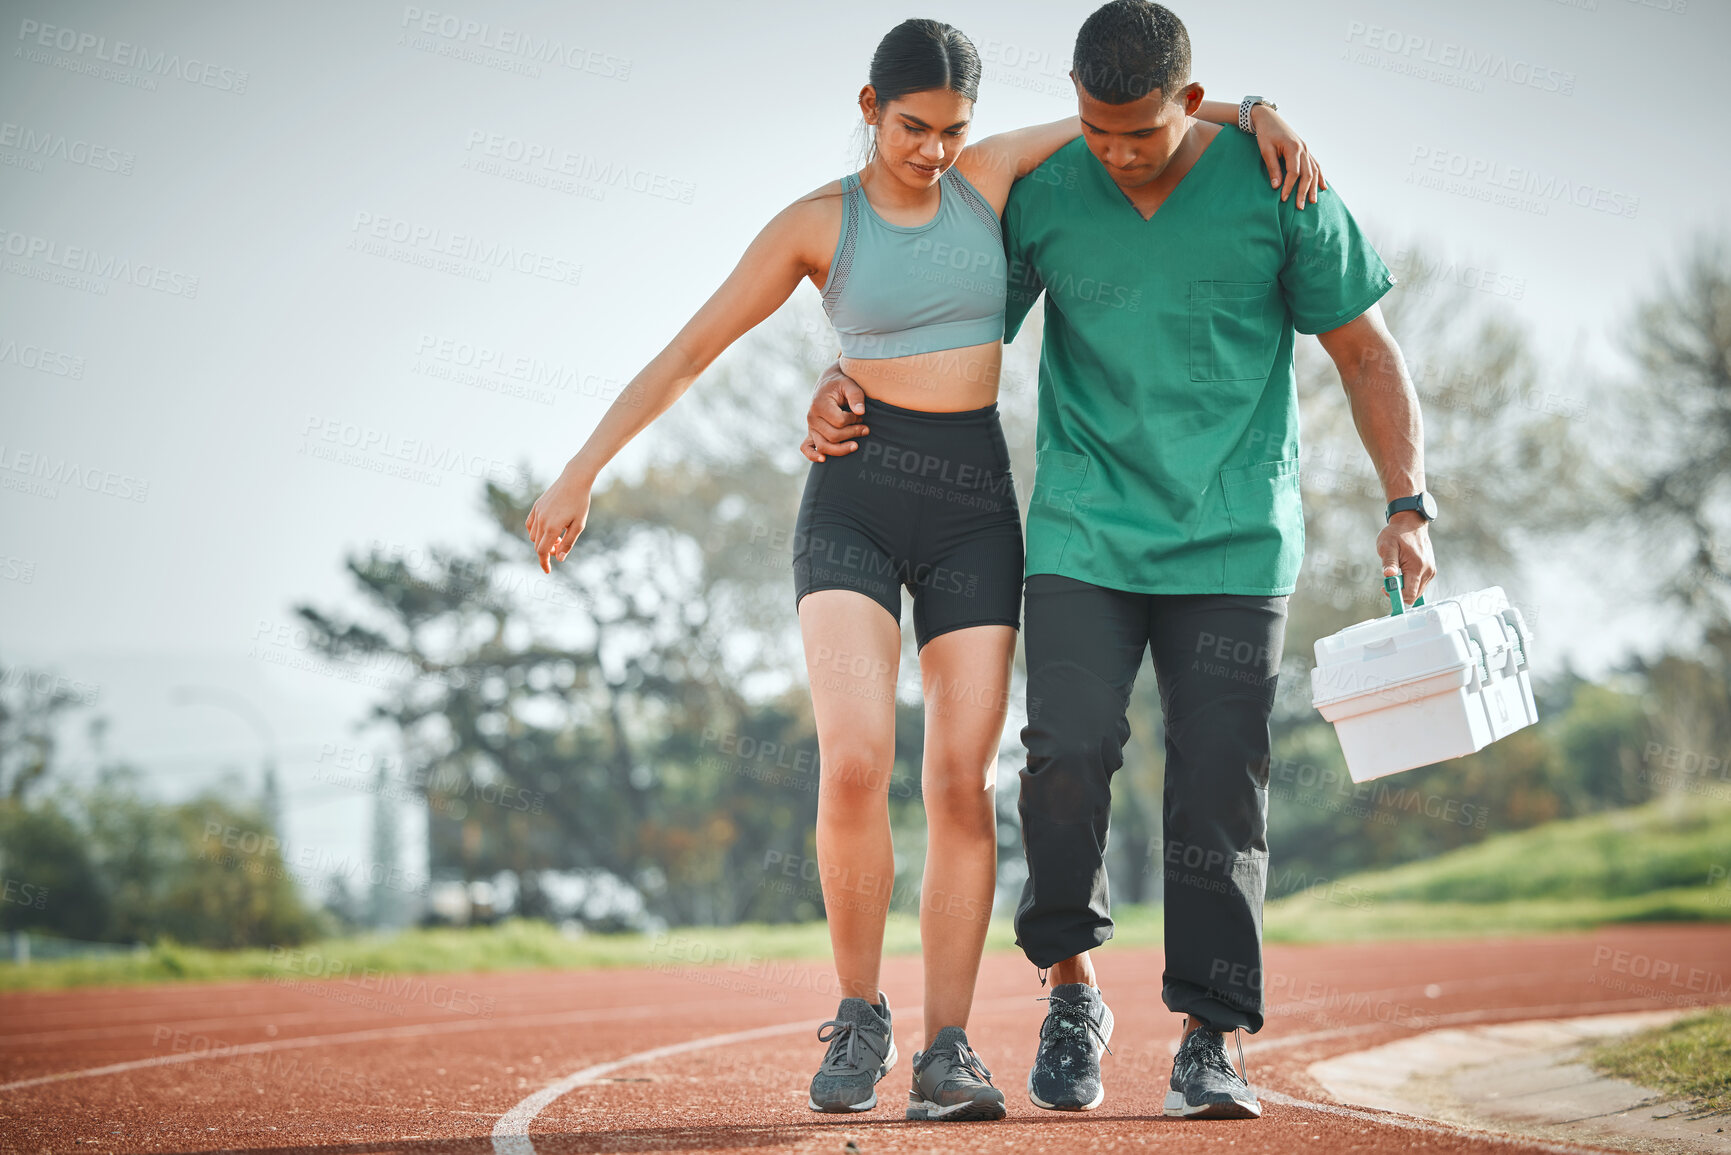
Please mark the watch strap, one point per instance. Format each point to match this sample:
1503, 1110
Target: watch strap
1244, 107
1414, 503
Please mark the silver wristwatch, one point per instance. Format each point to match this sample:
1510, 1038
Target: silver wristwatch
1244, 107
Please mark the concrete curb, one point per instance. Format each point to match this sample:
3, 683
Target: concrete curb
1525, 1078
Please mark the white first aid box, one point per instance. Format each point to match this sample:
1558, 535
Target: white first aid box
1434, 682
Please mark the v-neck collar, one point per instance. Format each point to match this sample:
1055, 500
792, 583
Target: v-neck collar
1110, 187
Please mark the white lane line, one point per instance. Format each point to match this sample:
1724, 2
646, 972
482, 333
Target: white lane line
379, 1033
133, 1030
511, 1132
1409, 1123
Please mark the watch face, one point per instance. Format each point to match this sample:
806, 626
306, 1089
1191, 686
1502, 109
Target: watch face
1429, 505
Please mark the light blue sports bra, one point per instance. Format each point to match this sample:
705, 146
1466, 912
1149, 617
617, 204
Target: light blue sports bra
897, 290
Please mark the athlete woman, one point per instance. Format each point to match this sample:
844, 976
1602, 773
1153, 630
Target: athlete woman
909, 259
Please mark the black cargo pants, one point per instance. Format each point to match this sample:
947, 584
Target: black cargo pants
1217, 660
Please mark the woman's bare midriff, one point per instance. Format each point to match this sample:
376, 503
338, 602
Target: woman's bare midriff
947, 381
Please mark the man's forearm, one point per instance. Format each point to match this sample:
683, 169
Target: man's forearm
1386, 412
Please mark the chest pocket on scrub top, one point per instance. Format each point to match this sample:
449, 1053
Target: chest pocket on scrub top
1232, 336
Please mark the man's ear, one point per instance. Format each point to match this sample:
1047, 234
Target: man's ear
1192, 94
868, 104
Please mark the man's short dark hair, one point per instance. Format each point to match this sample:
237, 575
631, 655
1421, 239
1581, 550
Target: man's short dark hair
1129, 48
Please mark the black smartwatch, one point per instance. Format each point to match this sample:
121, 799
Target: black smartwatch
1423, 504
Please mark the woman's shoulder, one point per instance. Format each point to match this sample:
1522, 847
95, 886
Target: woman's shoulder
821, 206
810, 225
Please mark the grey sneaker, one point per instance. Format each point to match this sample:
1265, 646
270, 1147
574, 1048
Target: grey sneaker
951, 1083
862, 1049
1204, 1085
1066, 1071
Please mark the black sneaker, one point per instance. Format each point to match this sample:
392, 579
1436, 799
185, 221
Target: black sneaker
951, 1083
1066, 1071
1204, 1085
862, 1049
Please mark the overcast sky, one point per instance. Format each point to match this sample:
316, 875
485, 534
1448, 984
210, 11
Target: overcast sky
236, 237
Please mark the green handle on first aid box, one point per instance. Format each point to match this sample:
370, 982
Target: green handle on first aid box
1393, 583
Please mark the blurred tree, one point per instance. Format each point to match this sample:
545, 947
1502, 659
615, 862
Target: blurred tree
640, 710
50, 883
225, 884
31, 702
1673, 463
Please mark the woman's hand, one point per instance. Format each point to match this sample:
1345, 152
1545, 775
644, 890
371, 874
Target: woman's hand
558, 516
1278, 142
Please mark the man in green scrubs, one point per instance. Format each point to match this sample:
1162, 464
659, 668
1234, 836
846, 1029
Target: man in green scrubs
1166, 516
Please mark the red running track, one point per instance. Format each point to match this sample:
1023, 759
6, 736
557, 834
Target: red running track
484, 1063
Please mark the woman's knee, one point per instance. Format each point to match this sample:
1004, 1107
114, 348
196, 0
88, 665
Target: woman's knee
960, 801
856, 771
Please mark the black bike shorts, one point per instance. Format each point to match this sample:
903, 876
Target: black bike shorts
925, 503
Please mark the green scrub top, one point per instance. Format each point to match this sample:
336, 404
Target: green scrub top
1167, 449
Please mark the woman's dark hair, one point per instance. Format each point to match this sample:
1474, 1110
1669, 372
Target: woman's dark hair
1129, 48
918, 55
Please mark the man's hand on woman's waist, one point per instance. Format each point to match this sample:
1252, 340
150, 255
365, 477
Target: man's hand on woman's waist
829, 421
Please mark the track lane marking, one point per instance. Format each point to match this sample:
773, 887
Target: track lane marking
1425, 1126
511, 1133
407, 1031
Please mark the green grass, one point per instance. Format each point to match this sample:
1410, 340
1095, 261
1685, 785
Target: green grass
1652, 863
1648, 864
1689, 1058
509, 945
